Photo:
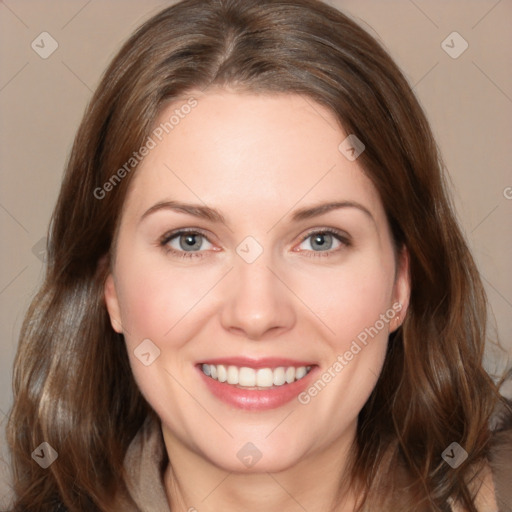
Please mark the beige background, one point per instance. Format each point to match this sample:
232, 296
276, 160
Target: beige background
468, 101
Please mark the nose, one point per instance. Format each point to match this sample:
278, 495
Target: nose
257, 304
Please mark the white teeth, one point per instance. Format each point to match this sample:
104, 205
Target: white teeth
264, 378
232, 374
279, 378
246, 377
222, 374
290, 374
250, 377
300, 372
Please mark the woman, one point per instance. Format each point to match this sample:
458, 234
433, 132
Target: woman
257, 296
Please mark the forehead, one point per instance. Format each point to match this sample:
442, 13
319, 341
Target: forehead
245, 151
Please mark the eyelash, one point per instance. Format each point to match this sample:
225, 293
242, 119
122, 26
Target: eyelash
165, 239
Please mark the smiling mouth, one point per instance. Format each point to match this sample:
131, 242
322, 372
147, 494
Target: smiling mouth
244, 377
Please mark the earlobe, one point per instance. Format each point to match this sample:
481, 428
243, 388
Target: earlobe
402, 288
112, 304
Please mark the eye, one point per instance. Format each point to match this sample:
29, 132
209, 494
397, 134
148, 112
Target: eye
326, 240
185, 243
191, 243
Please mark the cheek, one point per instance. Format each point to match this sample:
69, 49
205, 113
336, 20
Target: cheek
352, 304
159, 302
350, 298
155, 296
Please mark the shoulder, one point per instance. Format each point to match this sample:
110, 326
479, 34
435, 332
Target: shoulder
486, 499
494, 482
500, 463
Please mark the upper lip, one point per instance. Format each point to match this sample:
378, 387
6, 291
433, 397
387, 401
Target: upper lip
265, 362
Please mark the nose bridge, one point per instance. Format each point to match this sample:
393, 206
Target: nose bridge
257, 301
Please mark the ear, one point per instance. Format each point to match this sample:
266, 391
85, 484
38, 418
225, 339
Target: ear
401, 288
112, 303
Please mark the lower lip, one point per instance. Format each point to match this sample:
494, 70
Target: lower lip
253, 399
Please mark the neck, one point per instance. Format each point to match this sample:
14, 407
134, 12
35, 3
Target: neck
312, 484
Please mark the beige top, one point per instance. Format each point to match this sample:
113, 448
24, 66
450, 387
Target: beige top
144, 462
146, 458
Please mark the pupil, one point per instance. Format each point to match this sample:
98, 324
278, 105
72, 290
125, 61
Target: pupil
189, 241
322, 241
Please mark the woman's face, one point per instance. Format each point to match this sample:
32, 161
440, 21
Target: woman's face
287, 266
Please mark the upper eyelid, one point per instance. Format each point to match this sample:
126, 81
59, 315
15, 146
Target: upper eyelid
169, 235
337, 232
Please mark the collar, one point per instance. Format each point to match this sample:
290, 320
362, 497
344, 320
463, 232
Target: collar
145, 462
146, 459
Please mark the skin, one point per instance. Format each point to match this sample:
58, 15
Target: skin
256, 159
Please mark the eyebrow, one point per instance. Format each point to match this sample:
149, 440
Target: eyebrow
207, 213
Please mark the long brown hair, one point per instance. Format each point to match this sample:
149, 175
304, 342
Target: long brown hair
73, 385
